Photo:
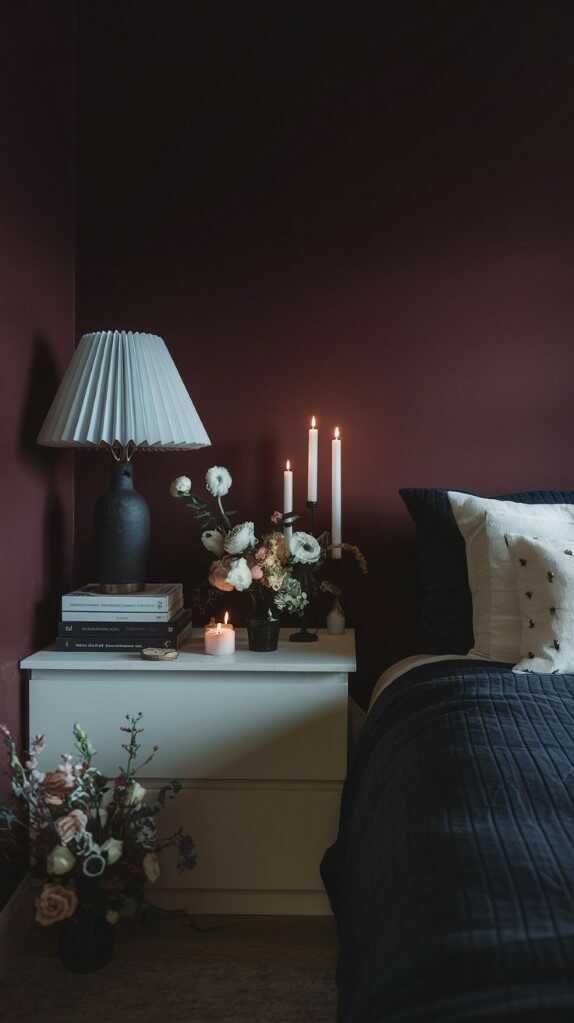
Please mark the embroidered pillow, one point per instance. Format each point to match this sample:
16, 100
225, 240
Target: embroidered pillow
483, 523
544, 575
444, 605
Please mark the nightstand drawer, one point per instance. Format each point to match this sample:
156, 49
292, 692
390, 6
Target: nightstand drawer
259, 726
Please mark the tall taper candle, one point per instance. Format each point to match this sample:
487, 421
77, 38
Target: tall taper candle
287, 499
336, 494
313, 462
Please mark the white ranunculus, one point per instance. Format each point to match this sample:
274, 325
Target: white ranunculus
136, 794
60, 860
180, 487
239, 538
305, 549
218, 480
212, 540
113, 848
239, 575
151, 867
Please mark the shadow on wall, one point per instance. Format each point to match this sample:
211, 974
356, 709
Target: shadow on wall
52, 465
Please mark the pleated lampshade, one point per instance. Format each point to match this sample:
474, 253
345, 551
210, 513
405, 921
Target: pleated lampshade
123, 388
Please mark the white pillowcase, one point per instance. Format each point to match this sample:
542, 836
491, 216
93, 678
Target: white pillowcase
544, 576
483, 523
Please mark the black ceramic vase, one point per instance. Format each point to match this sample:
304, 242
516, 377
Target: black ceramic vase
86, 941
263, 634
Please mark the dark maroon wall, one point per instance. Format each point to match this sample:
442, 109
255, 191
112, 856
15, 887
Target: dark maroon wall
36, 324
369, 222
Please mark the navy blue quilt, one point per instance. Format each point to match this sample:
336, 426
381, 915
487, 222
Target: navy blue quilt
452, 876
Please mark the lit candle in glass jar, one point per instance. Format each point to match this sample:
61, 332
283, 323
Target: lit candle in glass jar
220, 638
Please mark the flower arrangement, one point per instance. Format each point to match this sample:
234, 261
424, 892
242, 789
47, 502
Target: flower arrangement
274, 571
92, 840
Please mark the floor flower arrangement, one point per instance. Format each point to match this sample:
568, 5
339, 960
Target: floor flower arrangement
93, 840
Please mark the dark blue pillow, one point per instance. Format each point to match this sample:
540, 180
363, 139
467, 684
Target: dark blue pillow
444, 603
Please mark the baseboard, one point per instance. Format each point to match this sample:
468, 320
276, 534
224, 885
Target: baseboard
241, 903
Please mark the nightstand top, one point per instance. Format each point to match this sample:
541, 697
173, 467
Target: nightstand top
328, 654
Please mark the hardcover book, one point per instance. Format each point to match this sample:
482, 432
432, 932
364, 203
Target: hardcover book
104, 615
154, 597
126, 629
128, 644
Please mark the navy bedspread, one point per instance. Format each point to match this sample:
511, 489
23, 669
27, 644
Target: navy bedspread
452, 877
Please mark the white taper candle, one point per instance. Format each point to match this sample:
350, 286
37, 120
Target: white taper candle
288, 500
313, 462
336, 535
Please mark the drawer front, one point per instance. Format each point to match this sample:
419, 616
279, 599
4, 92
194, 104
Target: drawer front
252, 838
264, 726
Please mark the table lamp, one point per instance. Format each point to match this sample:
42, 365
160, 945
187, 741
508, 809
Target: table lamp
122, 391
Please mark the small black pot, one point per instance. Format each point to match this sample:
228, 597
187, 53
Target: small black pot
262, 634
86, 941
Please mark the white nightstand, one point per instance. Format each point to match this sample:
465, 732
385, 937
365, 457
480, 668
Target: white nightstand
259, 741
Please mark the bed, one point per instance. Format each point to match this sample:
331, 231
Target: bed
452, 877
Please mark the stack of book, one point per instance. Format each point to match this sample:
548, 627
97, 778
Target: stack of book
153, 617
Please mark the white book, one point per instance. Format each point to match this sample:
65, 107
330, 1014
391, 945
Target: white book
120, 616
154, 597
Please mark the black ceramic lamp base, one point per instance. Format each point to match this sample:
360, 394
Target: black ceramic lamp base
122, 534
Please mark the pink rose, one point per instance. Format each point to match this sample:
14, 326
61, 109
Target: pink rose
256, 572
57, 785
218, 576
261, 553
276, 517
70, 825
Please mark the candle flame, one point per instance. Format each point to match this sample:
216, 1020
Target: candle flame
337, 434
226, 618
218, 629
313, 422
288, 464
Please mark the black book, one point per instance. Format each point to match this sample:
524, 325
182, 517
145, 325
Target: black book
118, 644
127, 630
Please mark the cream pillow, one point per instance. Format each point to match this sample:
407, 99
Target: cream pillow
544, 575
483, 523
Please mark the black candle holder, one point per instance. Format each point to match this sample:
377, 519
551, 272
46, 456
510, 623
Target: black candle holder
304, 635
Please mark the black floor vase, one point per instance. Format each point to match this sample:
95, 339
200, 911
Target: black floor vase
86, 941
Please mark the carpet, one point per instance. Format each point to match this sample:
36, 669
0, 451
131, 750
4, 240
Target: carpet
247, 973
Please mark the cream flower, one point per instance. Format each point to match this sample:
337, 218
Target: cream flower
239, 575
60, 860
113, 848
240, 537
180, 487
305, 549
151, 867
218, 481
136, 794
112, 916
212, 540
55, 903
70, 825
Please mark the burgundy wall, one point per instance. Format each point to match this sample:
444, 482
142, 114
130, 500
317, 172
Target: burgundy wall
36, 325
369, 223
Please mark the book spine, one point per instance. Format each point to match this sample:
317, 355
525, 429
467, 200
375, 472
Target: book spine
126, 602
117, 616
92, 644
124, 630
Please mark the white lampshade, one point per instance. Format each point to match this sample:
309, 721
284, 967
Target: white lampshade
123, 388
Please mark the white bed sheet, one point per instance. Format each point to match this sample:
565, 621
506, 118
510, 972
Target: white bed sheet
400, 667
